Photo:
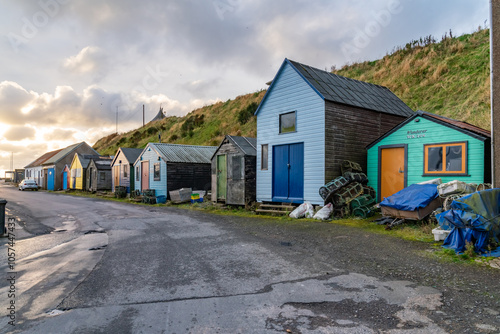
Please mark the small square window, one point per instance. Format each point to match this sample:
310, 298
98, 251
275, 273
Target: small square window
287, 122
102, 176
264, 157
157, 171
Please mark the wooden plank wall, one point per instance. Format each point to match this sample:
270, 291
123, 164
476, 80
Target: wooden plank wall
188, 175
347, 132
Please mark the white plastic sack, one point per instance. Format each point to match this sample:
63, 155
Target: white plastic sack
303, 210
325, 212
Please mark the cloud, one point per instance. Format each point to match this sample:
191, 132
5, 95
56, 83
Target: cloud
90, 60
16, 133
60, 134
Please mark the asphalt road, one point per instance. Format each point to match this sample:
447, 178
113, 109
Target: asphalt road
93, 266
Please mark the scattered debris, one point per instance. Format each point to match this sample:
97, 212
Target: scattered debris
304, 210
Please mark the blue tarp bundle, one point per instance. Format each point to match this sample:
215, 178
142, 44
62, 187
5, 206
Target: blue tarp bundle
473, 218
412, 198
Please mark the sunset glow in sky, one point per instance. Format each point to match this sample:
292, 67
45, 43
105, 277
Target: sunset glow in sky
69, 66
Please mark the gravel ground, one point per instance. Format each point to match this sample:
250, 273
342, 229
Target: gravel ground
471, 293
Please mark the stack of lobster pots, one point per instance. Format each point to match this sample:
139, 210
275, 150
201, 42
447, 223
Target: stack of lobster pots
349, 193
148, 196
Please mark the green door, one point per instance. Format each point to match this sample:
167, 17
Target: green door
221, 177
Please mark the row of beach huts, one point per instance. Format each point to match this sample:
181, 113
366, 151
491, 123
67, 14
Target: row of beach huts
308, 123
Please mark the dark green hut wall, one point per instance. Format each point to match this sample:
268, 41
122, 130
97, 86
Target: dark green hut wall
431, 133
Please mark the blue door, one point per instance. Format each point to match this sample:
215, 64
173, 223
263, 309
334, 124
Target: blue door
50, 179
65, 180
288, 173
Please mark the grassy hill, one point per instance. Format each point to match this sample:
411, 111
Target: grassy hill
450, 78
203, 126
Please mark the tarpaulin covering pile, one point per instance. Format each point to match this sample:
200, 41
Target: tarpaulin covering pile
412, 198
474, 218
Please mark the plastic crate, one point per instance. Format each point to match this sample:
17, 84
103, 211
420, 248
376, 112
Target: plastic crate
440, 234
162, 199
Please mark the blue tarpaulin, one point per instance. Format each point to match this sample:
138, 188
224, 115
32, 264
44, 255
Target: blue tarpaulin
474, 218
412, 198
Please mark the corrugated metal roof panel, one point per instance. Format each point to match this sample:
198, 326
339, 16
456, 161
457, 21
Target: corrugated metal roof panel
246, 144
40, 160
131, 153
349, 91
184, 153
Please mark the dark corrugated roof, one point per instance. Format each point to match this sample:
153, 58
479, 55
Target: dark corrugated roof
42, 159
246, 144
352, 92
459, 124
64, 152
103, 163
131, 153
85, 159
184, 153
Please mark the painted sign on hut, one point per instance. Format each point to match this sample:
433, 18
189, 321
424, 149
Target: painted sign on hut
165, 167
310, 121
99, 174
233, 171
428, 146
122, 168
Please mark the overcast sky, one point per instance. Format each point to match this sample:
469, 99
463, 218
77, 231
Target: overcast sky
68, 66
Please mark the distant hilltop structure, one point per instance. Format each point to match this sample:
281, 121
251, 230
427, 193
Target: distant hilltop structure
159, 116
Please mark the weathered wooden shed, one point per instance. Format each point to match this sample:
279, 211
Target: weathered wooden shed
53, 166
99, 174
165, 167
233, 170
122, 168
78, 167
311, 120
428, 146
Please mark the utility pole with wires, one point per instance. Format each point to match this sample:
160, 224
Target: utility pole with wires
116, 119
143, 115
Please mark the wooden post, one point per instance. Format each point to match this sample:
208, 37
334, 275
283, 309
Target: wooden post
495, 91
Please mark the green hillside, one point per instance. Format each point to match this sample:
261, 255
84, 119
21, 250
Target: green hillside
450, 78
203, 126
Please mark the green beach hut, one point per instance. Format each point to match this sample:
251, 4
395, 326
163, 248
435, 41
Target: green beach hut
428, 146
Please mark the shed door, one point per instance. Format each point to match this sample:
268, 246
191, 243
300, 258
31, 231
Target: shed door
144, 175
221, 177
65, 180
116, 173
393, 171
51, 179
288, 173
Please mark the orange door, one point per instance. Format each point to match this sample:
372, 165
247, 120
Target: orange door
392, 171
117, 176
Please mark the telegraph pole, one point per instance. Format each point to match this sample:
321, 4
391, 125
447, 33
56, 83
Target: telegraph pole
143, 115
495, 90
116, 119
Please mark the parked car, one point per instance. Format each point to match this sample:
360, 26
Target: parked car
28, 184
